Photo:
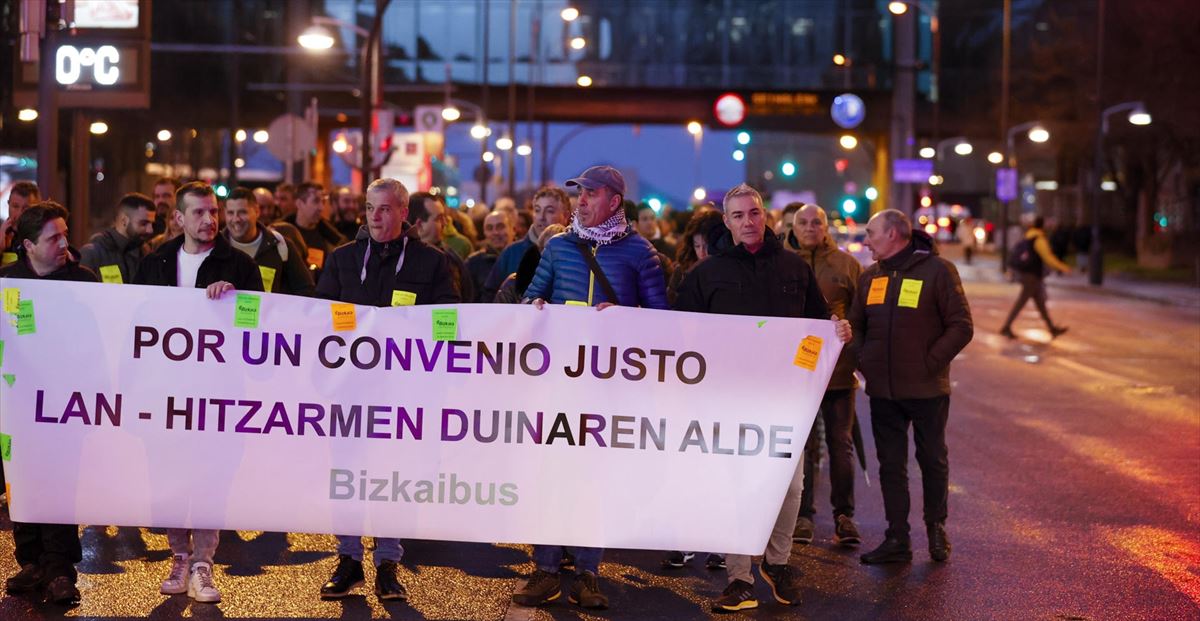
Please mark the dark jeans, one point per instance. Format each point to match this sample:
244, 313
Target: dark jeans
53, 547
889, 424
837, 410
1033, 286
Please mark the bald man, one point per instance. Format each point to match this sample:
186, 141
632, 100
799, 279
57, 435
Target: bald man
497, 235
837, 275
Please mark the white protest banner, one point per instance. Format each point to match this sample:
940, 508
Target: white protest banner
154, 406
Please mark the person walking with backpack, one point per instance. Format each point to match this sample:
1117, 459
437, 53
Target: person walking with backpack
1028, 261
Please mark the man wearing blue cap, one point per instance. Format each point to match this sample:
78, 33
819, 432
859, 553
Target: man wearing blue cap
598, 262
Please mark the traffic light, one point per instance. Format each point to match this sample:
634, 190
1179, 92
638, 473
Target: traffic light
743, 138
788, 168
841, 164
852, 206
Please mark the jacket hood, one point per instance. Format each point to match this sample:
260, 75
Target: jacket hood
919, 248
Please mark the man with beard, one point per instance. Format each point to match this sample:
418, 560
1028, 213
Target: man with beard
116, 251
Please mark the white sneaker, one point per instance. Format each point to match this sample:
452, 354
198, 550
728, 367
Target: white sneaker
200, 586
177, 582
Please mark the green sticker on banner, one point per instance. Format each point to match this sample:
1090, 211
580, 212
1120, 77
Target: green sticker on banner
1, 353
25, 322
5, 447
762, 323
445, 324
245, 311
10, 379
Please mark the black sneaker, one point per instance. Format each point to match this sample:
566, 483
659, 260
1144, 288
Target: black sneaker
62, 591
785, 584
892, 550
939, 544
739, 595
715, 562
541, 588
585, 592
1058, 331
349, 574
803, 532
675, 560
27, 580
845, 533
387, 586
1008, 333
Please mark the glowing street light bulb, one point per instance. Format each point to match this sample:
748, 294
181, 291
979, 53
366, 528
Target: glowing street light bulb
995, 157
739, 155
848, 142
578, 43
27, 115
1139, 117
99, 128
261, 136
340, 145
927, 152
699, 194
488, 156
570, 14
963, 148
839, 60
694, 128
239, 162
239, 135
743, 138
1039, 134
524, 150
479, 132
584, 81
898, 8
315, 38
451, 114
504, 143
164, 135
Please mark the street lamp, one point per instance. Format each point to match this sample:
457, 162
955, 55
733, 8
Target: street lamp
904, 87
315, 38
1036, 132
570, 14
504, 143
578, 43
583, 81
995, 157
848, 142
694, 128
451, 114
164, 135
261, 136
963, 148
27, 114
1137, 116
898, 8
1039, 134
99, 128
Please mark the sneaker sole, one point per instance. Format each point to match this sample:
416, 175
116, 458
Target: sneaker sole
597, 606
530, 603
746, 605
775, 593
205, 600
325, 595
391, 597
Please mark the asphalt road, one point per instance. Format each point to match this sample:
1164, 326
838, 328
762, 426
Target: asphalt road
1075, 494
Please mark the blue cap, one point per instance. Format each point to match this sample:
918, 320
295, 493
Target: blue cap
597, 177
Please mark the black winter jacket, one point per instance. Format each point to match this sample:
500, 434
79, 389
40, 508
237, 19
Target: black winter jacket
108, 247
226, 263
425, 272
771, 282
291, 276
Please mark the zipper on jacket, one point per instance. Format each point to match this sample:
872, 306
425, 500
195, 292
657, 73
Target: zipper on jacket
592, 275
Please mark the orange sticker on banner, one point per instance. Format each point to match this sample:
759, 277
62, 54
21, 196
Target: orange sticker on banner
343, 317
316, 258
878, 290
808, 353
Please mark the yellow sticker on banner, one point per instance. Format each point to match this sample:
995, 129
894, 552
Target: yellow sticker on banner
343, 317
12, 300
910, 292
111, 274
403, 298
878, 290
8, 258
576, 303
268, 277
316, 258
808, 353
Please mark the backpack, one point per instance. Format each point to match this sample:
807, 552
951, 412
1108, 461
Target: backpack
1024, 257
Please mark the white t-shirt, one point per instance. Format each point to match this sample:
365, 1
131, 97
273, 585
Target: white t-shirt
189, 266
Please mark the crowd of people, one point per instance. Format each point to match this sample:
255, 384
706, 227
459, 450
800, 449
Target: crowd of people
902, 319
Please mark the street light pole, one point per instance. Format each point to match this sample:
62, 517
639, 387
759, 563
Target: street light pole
1005, 65
1095, 252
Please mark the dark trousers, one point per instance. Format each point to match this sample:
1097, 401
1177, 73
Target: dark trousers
837, 411
1033, 286
889, 424
53, 547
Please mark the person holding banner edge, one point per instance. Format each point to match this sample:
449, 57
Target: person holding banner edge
758, 276
46, 553
598, 262
200, 257
386, 265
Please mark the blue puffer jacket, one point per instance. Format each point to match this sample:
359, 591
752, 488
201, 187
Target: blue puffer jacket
631, 265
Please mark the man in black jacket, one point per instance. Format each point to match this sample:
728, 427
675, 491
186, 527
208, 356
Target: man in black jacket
320, 238
280, 264
387, 265
47, 553
757, 276
116, 252
910, 318
202, 258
